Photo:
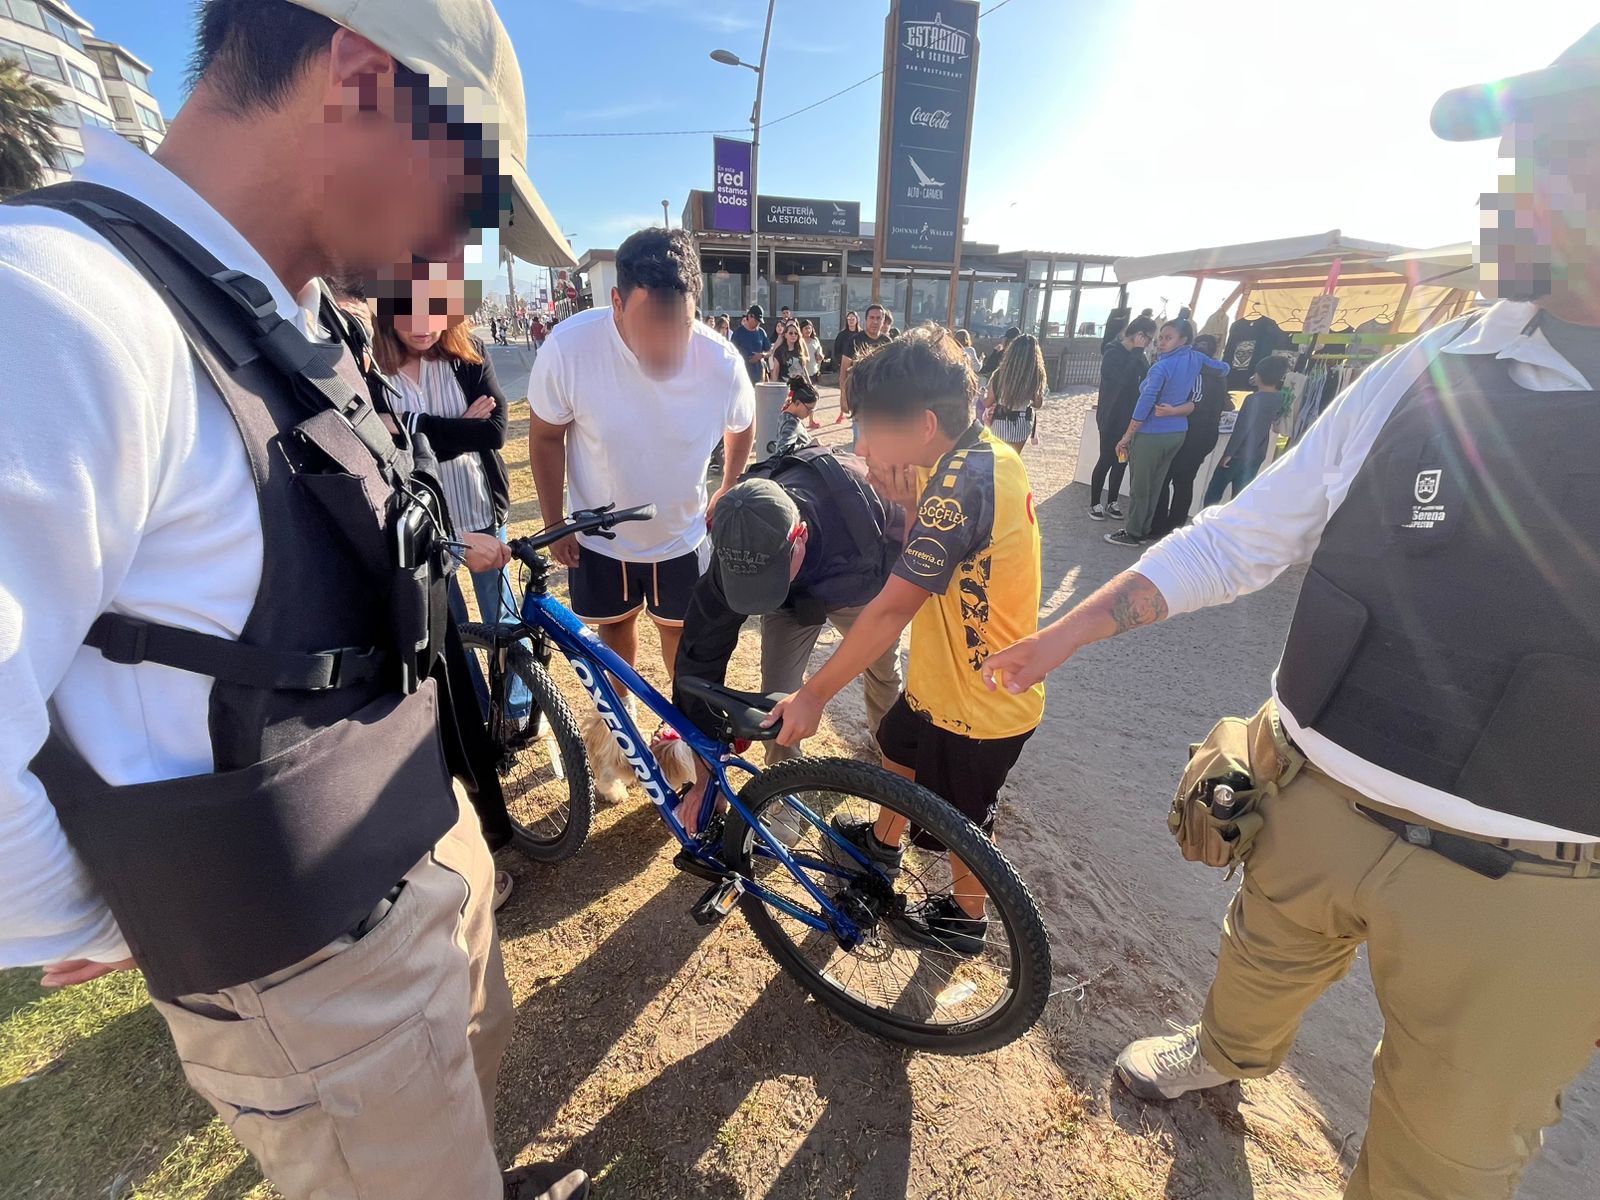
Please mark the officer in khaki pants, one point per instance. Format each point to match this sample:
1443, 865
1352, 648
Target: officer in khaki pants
1441, 679
222, 759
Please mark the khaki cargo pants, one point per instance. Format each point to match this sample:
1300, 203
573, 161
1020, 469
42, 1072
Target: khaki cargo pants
367, 1072
1489, 988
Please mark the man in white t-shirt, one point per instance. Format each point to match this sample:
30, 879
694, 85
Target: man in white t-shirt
628, 404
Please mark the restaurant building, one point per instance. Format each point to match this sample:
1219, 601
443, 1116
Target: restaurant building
815, 257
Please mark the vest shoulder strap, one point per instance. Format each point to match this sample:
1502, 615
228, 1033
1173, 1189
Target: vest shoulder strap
127, 640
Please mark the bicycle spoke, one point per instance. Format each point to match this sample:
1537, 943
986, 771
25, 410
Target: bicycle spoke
913, 980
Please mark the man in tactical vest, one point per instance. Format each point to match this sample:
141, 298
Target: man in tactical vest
224, 760
1440, 686
802, 541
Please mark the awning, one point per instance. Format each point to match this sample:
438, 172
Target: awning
1285, 258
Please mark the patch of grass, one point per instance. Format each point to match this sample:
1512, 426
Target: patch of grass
93, 1100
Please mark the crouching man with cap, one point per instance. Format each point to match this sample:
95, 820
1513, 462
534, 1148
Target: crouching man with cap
1441, 683
224, 759
804, 540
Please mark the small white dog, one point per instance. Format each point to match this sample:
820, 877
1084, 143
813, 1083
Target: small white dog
612, 772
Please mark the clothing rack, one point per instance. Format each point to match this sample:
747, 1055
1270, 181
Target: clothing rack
1326, 364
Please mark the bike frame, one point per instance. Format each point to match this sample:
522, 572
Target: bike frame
596, 664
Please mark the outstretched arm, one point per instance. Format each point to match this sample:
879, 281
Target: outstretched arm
877, 628
1127, 602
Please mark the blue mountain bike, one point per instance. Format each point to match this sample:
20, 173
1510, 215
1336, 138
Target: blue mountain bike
861, 934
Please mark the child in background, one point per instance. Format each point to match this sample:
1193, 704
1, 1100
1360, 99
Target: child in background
1252, 432
797, 416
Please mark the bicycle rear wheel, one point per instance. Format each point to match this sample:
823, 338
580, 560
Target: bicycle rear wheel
901, 982
543, 765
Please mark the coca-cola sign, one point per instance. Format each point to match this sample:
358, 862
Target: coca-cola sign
934, 71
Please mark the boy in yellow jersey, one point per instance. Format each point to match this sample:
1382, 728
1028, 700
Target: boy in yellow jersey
968, 584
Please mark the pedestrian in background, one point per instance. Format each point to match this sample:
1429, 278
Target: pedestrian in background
964, 340
1123, 367
1177, 497
1252, 432
1159, 425
752, 342
1016, 393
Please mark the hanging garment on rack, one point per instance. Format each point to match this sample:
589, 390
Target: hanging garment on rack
1250, 341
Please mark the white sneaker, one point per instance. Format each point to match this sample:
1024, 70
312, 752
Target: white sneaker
1097, 512
1164, 1068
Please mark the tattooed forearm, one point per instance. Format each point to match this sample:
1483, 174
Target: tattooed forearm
1132, 600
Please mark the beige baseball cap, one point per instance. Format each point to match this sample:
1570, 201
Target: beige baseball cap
463, 43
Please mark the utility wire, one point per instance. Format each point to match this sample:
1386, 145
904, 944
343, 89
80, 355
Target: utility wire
738, 129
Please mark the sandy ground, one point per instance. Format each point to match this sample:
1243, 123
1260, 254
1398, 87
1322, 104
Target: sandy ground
680, 1064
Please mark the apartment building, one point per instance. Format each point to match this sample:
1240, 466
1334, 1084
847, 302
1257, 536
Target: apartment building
100, 84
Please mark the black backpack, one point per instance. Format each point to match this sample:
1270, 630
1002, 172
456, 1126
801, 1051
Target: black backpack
840, 482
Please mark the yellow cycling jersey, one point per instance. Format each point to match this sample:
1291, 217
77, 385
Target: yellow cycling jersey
974, 544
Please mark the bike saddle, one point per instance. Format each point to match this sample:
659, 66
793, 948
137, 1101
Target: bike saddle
742, 712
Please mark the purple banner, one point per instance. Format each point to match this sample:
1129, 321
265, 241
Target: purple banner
730, 185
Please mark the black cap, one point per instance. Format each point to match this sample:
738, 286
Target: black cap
1468, 114
754, 311
752, 534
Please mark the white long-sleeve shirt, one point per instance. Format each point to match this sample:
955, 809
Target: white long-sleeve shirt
123, 485
1278, 521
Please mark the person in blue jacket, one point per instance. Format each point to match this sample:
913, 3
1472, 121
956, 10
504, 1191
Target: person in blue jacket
1160, 422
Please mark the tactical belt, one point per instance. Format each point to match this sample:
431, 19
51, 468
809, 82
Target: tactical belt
1489, 857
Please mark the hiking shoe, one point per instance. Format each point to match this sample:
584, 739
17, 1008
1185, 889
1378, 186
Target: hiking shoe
1114, 510
1164, 1068
1097, 512
859, 834
1123, 538
943, 924
546, 1181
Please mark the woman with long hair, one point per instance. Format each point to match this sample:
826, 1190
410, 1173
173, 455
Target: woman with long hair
815, 357
964, 340
789, 355
844, 347
1016, 393
445, 389
813, 344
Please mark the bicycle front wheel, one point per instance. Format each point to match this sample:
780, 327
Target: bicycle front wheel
543, 765
960, 986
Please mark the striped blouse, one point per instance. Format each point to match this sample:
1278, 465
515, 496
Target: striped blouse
466, 489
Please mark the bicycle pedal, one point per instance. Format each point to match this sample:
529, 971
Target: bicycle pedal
718, 901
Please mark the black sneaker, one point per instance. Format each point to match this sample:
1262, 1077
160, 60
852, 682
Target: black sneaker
1097, 512
1123, 538
859, 834
943, 924
545, 1181
1114, 509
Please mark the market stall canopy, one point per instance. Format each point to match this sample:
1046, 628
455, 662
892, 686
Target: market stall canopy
1447, 266
1285, 258
1279, 279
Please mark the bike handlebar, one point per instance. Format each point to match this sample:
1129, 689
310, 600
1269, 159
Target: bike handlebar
590, 520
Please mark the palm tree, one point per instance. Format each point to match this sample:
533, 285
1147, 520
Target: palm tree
27, 130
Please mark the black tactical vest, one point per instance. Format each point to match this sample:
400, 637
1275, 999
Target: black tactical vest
330, 777
1449, 629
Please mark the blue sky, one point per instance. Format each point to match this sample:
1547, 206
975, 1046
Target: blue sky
1124, 127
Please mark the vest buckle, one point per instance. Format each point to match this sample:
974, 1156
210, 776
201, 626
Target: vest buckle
124, 641
250, 293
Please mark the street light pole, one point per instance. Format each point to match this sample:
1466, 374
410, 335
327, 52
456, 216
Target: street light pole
666, 220
733, 60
